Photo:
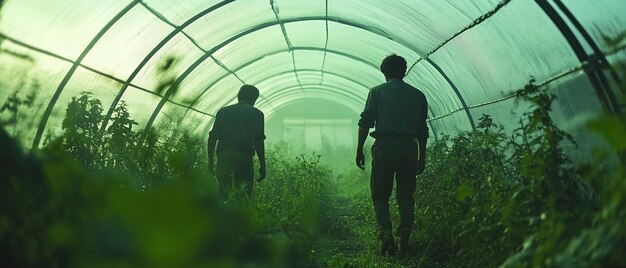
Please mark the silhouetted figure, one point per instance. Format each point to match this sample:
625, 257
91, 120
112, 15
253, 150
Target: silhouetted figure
398, 111
239, 128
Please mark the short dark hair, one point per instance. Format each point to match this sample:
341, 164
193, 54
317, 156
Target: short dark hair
393, 66
248, 93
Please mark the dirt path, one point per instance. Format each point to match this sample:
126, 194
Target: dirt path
340, 239
349, 239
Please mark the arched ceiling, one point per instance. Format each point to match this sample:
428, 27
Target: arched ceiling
460, 53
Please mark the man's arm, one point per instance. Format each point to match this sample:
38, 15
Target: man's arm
259, 144
360, 157
213, 137
211, 151
421, 163
259, 147
422, 137
367, 121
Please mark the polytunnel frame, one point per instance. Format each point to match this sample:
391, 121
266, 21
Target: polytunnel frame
336, 52
70, 73
354, 57
325, 50
208, 53
177, 29
340, 53
604, 63
127, 82
248, 63
558, 21
595, 63
95, 71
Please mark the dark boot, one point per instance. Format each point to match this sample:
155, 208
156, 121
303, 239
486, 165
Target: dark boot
405, 249
388, 246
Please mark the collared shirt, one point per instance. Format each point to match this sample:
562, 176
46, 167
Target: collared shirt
236, 128
395, 108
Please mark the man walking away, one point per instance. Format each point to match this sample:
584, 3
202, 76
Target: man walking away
239, 128
398, 111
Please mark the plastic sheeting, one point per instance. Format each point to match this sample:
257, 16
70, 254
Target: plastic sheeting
463, 54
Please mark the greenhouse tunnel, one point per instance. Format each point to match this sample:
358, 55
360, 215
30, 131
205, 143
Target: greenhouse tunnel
305, 50
176, 63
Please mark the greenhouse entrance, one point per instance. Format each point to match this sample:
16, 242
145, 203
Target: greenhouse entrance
314, 123
106, 110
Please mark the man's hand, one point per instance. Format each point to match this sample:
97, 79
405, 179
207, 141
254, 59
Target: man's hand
421, 165
262, 173
360, 159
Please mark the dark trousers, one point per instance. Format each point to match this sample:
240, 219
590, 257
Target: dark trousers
235, 174
391, 158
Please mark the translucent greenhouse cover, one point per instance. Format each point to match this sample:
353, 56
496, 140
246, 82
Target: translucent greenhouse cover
468, 57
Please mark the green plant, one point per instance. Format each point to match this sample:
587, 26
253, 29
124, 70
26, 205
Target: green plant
55, 212
466, 184
81, 136
120, 140
14, 112
293, 199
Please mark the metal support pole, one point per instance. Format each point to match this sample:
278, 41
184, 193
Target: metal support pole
456, 91
599, 56
570, 37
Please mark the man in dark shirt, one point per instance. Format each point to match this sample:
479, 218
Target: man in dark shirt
398, 111
239, 128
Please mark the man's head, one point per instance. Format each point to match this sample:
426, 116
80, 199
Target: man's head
248, 94
393, 67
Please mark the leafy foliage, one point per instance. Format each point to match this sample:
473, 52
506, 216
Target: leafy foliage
16, 112
103, 198
81, 124
120, 139
489, 198
57, 213
293, 200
